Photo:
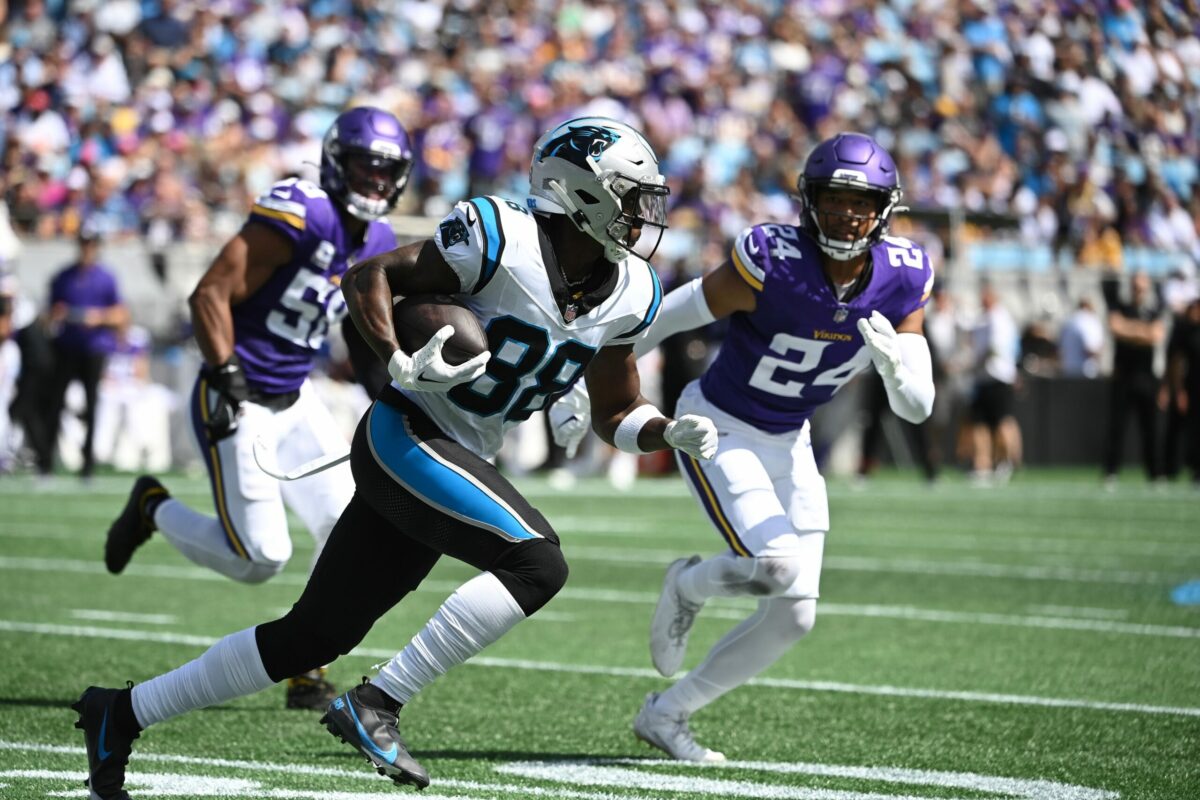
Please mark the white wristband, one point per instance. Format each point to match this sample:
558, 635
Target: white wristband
626, 436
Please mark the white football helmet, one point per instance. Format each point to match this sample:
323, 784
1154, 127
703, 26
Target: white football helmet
604, 175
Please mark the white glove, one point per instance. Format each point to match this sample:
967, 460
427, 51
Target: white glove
880, 338
426, 370
694, 435
570, 418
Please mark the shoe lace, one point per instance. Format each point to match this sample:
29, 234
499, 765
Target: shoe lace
685, 617
681, 733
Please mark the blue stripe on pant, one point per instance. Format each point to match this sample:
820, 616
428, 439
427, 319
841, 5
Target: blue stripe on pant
433, 480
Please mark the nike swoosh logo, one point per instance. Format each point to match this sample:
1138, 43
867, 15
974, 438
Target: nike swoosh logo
100, 751
422, 379
388, 755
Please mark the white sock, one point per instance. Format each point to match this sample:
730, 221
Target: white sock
201, 539
724, 575
753, 645
479, 613
230, 668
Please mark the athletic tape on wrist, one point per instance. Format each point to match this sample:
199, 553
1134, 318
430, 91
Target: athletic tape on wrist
626, 436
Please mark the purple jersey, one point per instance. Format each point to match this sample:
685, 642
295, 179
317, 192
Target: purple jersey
81, 289
278, 329
801, 344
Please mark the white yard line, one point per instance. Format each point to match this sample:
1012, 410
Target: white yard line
980, 569
625, 775
98, 615
931, 534
1011, 620
655, 559
303, 769
1081, 611
592, 669
634, 533
723, 609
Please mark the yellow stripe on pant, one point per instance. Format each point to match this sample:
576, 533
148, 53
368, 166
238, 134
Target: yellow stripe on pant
219, 479
713, 507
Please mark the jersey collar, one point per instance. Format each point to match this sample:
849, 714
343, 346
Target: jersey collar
575, 302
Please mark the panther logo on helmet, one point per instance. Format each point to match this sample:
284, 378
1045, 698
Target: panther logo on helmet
604, 176
580, 143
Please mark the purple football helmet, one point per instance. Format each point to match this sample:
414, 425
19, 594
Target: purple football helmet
365, 161
848, 161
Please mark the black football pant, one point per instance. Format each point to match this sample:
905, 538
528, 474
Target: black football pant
87, 368
390, 536
876, 408
1137, 395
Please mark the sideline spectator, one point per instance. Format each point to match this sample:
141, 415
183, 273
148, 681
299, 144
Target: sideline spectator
996, 438
133, 426
10, 370
1081, 342
84, 308
1183, 374
1137, 329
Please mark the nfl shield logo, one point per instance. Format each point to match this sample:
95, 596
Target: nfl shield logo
570, 313
841, 314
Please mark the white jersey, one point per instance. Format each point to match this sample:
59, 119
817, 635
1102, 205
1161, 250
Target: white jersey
540, 338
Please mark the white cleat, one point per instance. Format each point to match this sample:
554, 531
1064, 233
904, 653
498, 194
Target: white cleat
672, 622
670, 733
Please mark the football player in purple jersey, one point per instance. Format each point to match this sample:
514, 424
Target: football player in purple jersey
810, 306
261, 313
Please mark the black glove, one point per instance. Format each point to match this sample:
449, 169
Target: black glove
228, 382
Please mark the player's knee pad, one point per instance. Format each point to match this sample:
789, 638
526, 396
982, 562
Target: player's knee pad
761, 576
265, 558
533, 572
791, 619
774, 575
256, 571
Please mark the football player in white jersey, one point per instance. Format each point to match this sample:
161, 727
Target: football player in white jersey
560, 285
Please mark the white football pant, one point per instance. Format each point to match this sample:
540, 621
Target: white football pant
764, 495
248, 538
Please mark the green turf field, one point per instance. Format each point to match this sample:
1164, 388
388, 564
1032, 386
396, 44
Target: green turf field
1014, 642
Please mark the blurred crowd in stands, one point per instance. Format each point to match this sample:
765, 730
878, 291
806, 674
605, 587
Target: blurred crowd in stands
164, 118
1071, 127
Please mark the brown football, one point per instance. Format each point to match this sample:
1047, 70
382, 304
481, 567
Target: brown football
419, 317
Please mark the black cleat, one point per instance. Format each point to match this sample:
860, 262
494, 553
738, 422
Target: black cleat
131, 530
107, 749
311, 690
372, 731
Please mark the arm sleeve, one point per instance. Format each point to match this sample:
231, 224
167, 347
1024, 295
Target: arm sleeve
682, 310
910, 389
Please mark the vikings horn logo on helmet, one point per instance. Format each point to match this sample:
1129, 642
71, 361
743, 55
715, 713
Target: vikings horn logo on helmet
578, 143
